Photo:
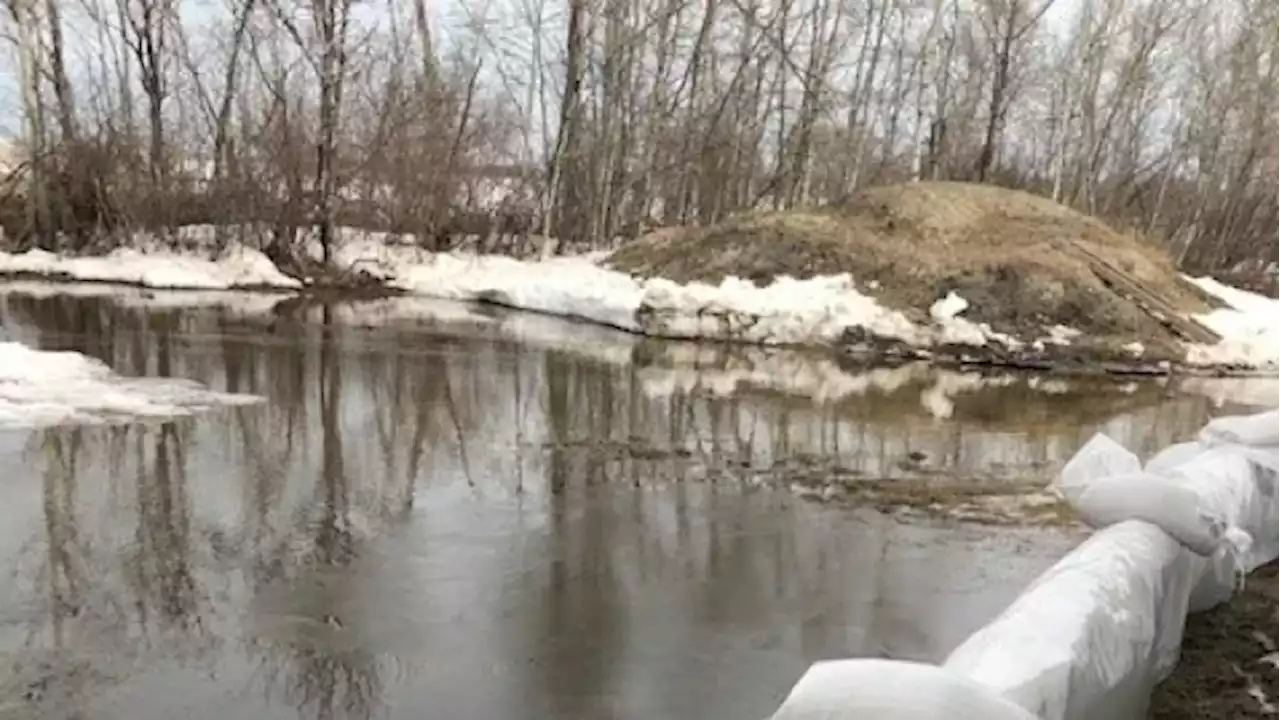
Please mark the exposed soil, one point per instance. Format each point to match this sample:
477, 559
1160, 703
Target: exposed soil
1228, 665
1023, 262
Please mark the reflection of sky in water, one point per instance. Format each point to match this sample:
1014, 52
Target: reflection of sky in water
475, 528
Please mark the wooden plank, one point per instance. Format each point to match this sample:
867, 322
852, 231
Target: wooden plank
1159, 308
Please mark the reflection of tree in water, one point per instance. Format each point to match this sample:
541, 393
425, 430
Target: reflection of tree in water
308, 669
323, 682
160, 561
65, 322
65, 572
407, 392
106, 597
584, 622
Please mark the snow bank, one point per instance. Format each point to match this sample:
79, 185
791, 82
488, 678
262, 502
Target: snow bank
1250, 328
572, 287
1091, 637
817, 311
237, 267
39, 389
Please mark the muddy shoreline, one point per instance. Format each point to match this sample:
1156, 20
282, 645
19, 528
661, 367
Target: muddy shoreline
1228, 666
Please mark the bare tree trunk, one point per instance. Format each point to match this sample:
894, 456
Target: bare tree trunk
37, 207
1003, 42
331, 18
222, 123
567, 152
58, 74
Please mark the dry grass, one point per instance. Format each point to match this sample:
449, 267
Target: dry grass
1008, 252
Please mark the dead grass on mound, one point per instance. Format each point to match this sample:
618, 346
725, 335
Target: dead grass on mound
1020, 260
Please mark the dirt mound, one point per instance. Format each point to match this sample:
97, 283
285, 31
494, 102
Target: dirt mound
1023, 262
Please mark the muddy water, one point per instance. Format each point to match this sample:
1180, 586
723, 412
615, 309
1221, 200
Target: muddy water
497, 517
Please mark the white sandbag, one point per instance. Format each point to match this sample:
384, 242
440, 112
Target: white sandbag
1100, 457
1171, 457
1259, 430
1225, 573
1091, 637
1173, 508
1105, 484
868, 689
1237, 491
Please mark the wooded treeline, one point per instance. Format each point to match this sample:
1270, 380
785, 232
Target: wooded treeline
603, 117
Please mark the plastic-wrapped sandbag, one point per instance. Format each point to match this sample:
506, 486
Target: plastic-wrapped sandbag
1105, 484
1171, 457
1259, 430
891, 690
1092, 636
1224, 574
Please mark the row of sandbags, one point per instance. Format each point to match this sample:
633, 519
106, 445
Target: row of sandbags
1092, 636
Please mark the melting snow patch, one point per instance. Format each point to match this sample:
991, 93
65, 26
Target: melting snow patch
1250, 328
1134, 348
955, 330
1061, 335
567, 286
39, 389
238, 266
816, 311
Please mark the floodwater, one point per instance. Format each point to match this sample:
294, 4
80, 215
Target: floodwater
449, 513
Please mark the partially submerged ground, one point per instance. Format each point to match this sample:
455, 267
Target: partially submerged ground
1228, 666
1024, 263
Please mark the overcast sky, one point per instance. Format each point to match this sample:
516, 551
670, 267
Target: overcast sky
447, 14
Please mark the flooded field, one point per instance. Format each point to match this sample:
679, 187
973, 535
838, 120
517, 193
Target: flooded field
444, 512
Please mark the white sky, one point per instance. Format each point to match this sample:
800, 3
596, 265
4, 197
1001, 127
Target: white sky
452, 12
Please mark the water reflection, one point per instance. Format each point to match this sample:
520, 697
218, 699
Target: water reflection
435, 523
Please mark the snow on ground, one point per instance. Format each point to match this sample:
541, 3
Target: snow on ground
39, 389
1250, 328
237, 267
572, 287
